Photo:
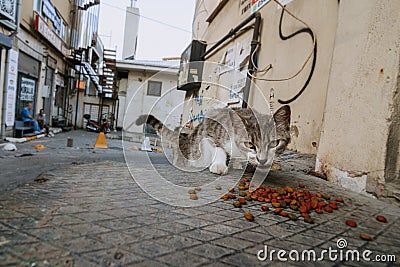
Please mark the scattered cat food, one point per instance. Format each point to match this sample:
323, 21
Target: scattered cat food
381, 219
278, 210
230, 196
365, 237
339, 199
218, 187
242, 194
328, 209
237, 204
298, 200
276, 205
284, 214
351, 223
308, 219
193, 196
242, 200
265, 208
197, 188
118, 255
249, 216
192, 191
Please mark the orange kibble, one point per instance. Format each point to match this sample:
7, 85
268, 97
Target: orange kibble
351, 223
339, 199
265, 208
319, 211
284, 214
276, 204
249, 216
381, 219
333, 206
278, 210
328, 209
303, 209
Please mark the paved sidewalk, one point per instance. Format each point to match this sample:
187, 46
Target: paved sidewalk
96, 215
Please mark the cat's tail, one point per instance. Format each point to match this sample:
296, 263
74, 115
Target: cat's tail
157, 125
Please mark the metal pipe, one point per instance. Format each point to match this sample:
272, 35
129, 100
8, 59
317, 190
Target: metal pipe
231, 33
18, 18
4, 104
251, 67
77, 91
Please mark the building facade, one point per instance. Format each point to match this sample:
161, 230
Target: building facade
55, 49
336, 63
148, 87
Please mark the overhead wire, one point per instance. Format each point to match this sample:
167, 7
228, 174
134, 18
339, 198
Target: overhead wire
148, 18
270, 66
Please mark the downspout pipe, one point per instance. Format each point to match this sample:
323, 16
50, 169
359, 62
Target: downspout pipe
251, 67
5, 89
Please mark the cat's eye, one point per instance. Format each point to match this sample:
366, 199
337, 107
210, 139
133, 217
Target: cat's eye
274, 144
250, 145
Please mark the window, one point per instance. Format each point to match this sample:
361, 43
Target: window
154, 88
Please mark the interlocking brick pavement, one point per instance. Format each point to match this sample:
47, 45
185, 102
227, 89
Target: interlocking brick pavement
96, 215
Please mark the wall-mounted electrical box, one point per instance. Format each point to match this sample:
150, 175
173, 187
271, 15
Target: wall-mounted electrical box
191, 67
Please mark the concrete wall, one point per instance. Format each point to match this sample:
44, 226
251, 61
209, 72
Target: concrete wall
362, 103
349, 113
134, 100
287, 57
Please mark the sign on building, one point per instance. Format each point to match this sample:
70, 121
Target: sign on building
27, 89
11, 85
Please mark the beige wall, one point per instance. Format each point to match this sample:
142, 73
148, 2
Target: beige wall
287, 57
361, 106
134, 100
349, 115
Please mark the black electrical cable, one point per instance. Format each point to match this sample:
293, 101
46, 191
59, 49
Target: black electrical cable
303, 30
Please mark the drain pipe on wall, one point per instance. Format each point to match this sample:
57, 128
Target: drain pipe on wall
5, 89
251, 67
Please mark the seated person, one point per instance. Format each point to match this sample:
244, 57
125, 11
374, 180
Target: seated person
26, 117
41, 119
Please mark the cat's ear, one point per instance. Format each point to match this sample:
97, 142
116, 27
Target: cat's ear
246, 116
282, 116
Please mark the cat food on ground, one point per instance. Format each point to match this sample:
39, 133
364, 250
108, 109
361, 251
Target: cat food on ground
193, 196
365, 237
237, 204
284, 214
192, 191
292, 216
381, 219
218, 187
308, 219
242, 194
265, 208
242, 200
249, 216
302, 185
351, 223
278, 211
197, 188
339, 199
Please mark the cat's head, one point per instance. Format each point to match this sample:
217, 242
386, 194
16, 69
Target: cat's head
267, 135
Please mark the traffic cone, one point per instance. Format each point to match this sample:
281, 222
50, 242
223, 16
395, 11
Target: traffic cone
101, 141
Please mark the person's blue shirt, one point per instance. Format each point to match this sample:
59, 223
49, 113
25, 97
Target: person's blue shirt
25, 114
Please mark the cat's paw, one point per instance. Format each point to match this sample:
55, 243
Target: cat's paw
219, 168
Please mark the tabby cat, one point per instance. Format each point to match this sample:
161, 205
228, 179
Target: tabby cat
228, 134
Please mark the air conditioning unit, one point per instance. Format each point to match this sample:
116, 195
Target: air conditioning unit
8, 9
